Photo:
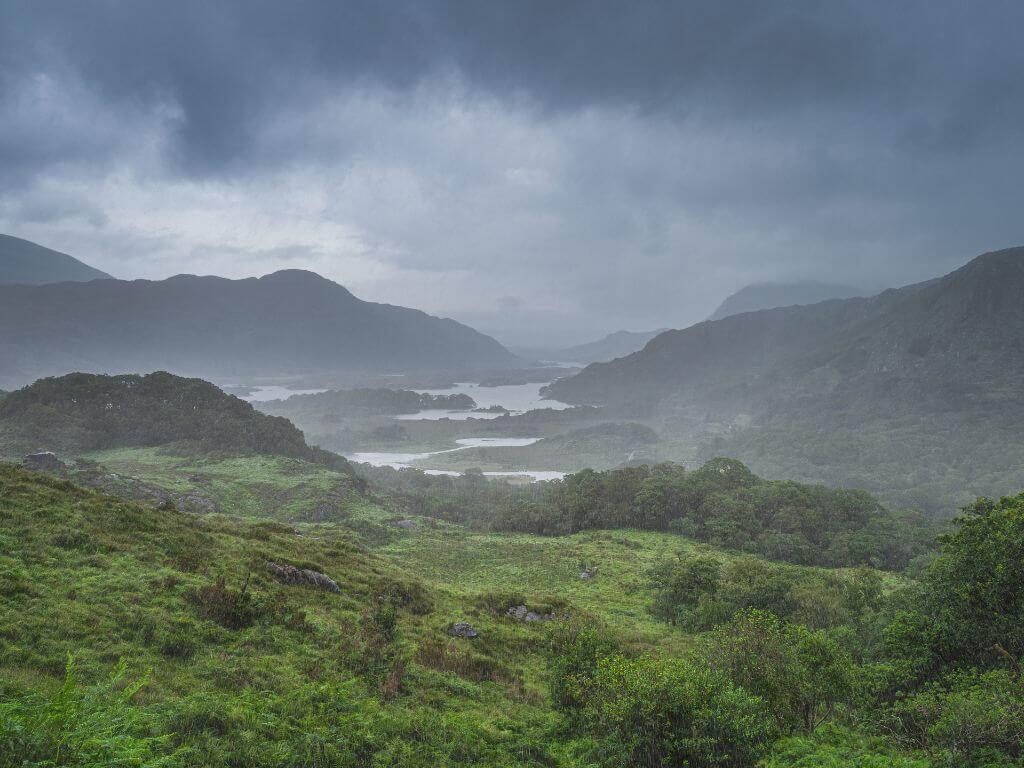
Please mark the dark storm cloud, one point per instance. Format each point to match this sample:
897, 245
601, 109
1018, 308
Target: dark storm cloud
949, 70
582, 164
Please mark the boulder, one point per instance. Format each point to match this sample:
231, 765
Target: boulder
302, 577
44, 461
463, 629
406, 524
522, 613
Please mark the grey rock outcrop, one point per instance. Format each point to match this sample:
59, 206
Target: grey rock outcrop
302, 577
463, 629
44, 461
522, 613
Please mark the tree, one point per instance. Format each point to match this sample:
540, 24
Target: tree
801, 674
971, 607
681, 584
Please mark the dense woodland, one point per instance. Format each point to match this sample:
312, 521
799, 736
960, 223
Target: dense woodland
722, 503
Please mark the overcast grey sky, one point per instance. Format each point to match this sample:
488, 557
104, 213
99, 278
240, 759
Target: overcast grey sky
548, 171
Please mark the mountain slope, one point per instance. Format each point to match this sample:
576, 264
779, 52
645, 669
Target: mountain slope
25, 263
771, 295
286, 324
618, 344
913, 391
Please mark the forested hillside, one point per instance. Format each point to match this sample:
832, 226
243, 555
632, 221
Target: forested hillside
916, 392
83, 412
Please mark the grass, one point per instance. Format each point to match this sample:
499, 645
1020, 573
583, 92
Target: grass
542, 569
271, 487
243, 670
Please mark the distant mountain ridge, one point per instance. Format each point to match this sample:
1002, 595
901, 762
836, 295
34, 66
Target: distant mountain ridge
284, 324
771, 295
618, 344
23, 262
928, 378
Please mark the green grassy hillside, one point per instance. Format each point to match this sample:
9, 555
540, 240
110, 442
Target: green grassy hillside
140, 635
239, 668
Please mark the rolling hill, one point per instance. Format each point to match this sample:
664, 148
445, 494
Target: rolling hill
25, 263
914, 393
771, 295
288, 323
82, 412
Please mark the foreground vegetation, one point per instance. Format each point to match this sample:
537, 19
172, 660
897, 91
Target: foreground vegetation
138, 635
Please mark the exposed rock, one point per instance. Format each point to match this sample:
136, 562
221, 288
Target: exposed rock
521, 613
44, 461
463, 629
303, 577
195, 503
406, 524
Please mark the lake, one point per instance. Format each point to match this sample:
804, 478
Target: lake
405, 460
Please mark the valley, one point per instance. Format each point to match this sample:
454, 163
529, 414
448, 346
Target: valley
511, 384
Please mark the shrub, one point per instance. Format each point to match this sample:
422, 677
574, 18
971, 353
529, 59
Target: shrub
575, 652
653, 712
231, 608
973, 718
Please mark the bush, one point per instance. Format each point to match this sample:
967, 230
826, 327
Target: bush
575, 652
653, 712
974, 719
231, 608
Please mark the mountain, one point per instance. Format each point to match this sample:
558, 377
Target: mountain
770, 295
916, 392
85, 412
286, 324
24, 263
618, 344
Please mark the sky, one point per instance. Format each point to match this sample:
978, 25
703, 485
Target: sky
545, 171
